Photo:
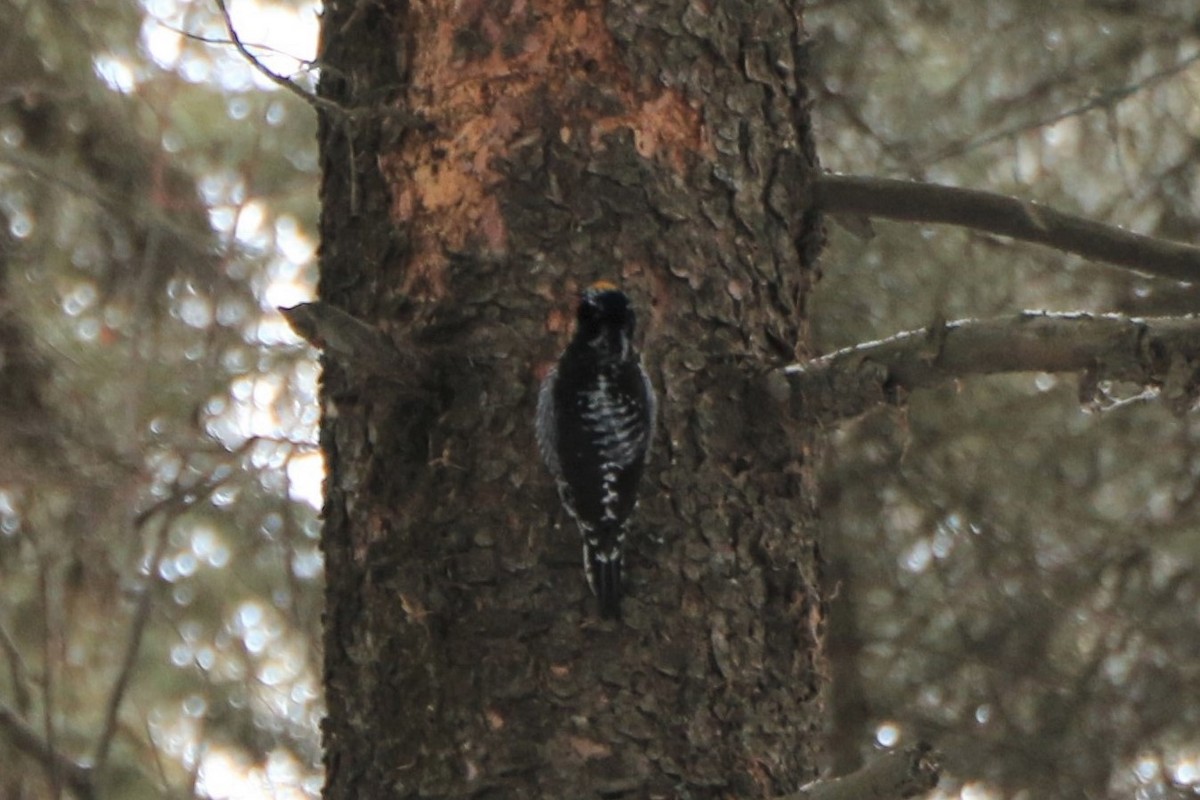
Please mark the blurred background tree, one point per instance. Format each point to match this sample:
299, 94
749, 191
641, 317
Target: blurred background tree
1016, 575
159, 570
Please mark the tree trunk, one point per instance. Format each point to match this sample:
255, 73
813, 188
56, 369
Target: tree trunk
494, 159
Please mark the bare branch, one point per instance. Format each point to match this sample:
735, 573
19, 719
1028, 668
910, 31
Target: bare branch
1162, 353
50, 634
898, 774
17, 671
195, 37
78, 777
178, 502
1006, 216
133, 646
156, 752
80, 184
314, 100
362, 345
308, 97
1103, 99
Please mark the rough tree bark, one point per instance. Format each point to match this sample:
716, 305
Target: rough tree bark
491, 160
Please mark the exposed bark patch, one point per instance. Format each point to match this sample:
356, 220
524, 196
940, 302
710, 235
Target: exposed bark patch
492, 77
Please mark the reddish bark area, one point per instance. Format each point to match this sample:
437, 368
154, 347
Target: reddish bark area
488, 77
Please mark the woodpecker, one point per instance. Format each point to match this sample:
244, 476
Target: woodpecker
595, 421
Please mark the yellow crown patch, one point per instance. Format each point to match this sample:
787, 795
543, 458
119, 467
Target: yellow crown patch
603, 286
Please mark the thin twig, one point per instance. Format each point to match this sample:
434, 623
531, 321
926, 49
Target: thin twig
308, 97
194, 773
180, 500
1006, 216
1104, 99
196, 37
899, 774
80, 184
345, 113
137, 630
295, 589
18, 672
78, 777
50, 619
159, 766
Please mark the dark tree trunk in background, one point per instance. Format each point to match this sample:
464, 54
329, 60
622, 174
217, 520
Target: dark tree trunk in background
665, 146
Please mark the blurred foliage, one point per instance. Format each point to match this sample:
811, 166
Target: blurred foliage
1016, 574
159, 595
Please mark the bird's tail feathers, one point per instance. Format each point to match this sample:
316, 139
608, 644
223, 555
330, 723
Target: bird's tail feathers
603, 564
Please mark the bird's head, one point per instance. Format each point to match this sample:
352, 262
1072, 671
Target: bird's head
605, 321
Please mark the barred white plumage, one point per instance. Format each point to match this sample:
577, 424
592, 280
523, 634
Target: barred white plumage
595, 422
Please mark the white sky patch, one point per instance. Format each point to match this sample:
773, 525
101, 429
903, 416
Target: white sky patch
163, 44
291, 241
116, 73
977, 791
225, 776
288, 36
286, 290
252, 412
306, 475
274, 330
249, 227
282, 37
